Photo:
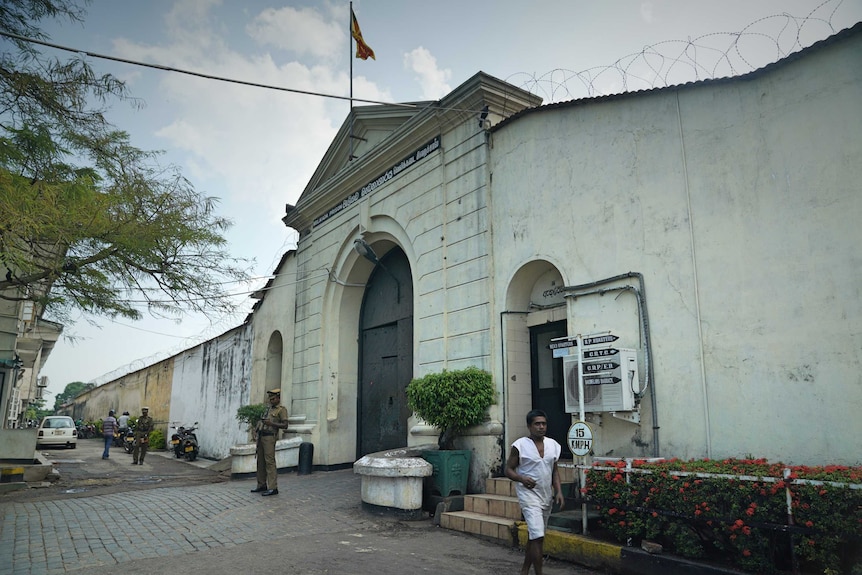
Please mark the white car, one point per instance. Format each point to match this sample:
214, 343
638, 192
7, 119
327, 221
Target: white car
57, 430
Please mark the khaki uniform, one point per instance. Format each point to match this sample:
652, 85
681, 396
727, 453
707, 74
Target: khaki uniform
267, 472
142, 438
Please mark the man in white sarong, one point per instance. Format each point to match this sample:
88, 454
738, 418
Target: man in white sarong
532, 465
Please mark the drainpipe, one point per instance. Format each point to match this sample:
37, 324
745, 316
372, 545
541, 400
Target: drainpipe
640, 294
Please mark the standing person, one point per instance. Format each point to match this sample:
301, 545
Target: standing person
123, 422
142, 436
265, 434
109, 427
532, 464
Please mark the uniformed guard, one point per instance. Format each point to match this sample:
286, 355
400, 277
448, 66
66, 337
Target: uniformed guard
266, 434
142, 436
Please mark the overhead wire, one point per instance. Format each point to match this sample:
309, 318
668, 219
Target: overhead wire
218, 78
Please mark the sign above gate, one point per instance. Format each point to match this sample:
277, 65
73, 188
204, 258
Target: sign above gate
417, 156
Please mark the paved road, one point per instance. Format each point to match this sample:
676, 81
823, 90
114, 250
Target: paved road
315, 526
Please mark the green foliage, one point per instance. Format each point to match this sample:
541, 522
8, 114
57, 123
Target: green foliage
251, 414
71, 391
36, 410
87, 221
157, 439
452, 400
731, 520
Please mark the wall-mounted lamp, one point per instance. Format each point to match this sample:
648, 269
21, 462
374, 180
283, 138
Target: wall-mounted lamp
363, 249
483, 117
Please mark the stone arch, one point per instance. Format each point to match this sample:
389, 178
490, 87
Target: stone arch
342, 308
274, 361
532, 301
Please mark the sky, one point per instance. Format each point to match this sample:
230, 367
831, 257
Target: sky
255, 149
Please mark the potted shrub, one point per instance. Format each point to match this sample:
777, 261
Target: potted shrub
251, 415
451, 401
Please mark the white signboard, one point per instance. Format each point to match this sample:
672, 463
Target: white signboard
580, 439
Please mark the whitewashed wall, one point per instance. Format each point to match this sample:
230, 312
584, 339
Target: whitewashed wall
210, 382
740, 202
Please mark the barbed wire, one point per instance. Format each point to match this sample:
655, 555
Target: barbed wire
673, 62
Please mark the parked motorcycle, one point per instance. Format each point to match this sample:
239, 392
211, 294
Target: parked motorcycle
129, 439
185, 443
86, 431
119, 438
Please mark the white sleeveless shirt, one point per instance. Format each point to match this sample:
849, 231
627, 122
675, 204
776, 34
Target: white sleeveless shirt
539, 468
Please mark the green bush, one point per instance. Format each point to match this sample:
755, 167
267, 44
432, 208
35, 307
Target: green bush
157, 439
741, 522
250, 415
452, 401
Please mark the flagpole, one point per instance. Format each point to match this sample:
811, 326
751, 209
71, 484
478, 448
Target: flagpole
350, 58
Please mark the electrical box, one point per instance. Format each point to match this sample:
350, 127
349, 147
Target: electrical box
610, 382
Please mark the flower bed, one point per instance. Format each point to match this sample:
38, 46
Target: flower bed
736, 511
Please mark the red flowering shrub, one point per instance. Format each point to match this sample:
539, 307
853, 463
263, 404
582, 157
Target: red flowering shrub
737, 514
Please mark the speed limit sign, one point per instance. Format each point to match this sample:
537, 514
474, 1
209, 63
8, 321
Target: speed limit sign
580, 439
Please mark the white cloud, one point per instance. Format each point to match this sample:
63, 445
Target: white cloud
433, 81
254, 148
302, 30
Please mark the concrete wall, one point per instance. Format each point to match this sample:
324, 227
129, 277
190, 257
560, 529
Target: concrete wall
18, 445
273, 345
149, 387
739, 202
210, 382
204, 384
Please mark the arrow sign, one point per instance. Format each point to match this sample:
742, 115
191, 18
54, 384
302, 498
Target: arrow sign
600, 339
600, 366
601, 380
592, 353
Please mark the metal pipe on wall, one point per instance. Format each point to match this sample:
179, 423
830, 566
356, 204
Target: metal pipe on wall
643, 315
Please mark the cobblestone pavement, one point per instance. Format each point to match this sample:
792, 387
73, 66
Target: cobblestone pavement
55, 536
314, 526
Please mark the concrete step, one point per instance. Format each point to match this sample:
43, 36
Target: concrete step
494, 505
497, 528
500, 486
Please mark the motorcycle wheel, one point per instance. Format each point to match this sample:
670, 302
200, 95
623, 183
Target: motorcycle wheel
129, 446
192, 455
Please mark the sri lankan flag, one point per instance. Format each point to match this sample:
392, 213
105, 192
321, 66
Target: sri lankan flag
363, 50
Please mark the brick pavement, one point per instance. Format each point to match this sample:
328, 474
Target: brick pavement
52, 537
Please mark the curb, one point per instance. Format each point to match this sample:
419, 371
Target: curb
616, 558
11, 474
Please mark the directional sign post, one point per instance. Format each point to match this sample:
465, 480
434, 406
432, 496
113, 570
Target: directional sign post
610, 338
596, 353
601, 380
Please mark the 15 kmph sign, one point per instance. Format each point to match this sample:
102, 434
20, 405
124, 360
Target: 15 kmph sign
580, 439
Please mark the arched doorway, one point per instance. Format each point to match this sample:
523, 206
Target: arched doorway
385, 355
536, 315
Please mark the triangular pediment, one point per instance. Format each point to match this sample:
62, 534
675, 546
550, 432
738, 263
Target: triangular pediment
370, 125
383, 135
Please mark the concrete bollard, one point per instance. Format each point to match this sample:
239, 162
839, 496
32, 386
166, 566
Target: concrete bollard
306, 456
